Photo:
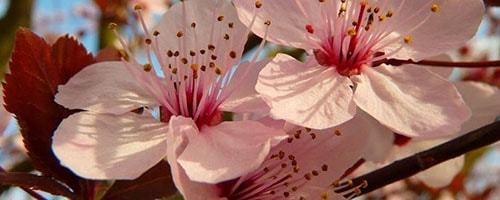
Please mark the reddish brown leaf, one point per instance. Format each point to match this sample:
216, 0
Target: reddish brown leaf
154, 184
36, 71
35, 182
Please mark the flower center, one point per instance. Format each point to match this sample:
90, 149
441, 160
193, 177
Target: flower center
360, 33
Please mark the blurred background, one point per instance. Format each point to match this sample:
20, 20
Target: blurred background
87, 20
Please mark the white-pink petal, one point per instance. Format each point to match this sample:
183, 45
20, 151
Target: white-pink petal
455, 22
106, 146
228, 150
484, 102
208, 30
410, 100
288, 22
308, 94
242, 97
105, 87
180, 129
381, 139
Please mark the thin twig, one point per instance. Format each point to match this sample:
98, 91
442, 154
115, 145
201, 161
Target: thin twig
410, 166
433, 63
27, 190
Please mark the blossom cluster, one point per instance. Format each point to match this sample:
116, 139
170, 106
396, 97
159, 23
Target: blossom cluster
298, 127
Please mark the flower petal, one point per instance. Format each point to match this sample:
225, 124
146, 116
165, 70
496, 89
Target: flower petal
484, 102
228, 150
309, 95
410, 100
288, 22
104, 146
105, 87
381, 138
212, 21
180, 128
460, 17
244, 98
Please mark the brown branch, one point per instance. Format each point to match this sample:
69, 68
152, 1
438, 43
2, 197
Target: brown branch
410, 166
431, 63
34, 182
492, 2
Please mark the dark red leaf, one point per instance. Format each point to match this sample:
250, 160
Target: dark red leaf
36, 71
154, 184
35, 182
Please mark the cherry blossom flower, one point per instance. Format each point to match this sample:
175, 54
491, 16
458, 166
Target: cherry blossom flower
308, 165
197, 44
348, 42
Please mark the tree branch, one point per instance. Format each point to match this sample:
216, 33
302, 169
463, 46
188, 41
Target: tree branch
31, 181
410, 166
432, 63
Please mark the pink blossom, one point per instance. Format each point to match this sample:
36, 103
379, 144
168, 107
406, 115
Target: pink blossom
347, 41
307, 165
197, 45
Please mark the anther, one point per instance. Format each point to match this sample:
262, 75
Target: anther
232, 54
148, 41
112, 26
351, 32
203, 68
267, 23
324, 168
324, 195
286, 194
176, 53
147, 67
389, 14
218, 71
310, 28
174, 70
220, 18
180, 34
258, 4
307, 176
170, 53
184, 60
211, 47
213, 57
192, 53
338, 133
202, 51
193, 25
226, 36
435, 8
230, 25
408, 39
194, 67
137, 7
